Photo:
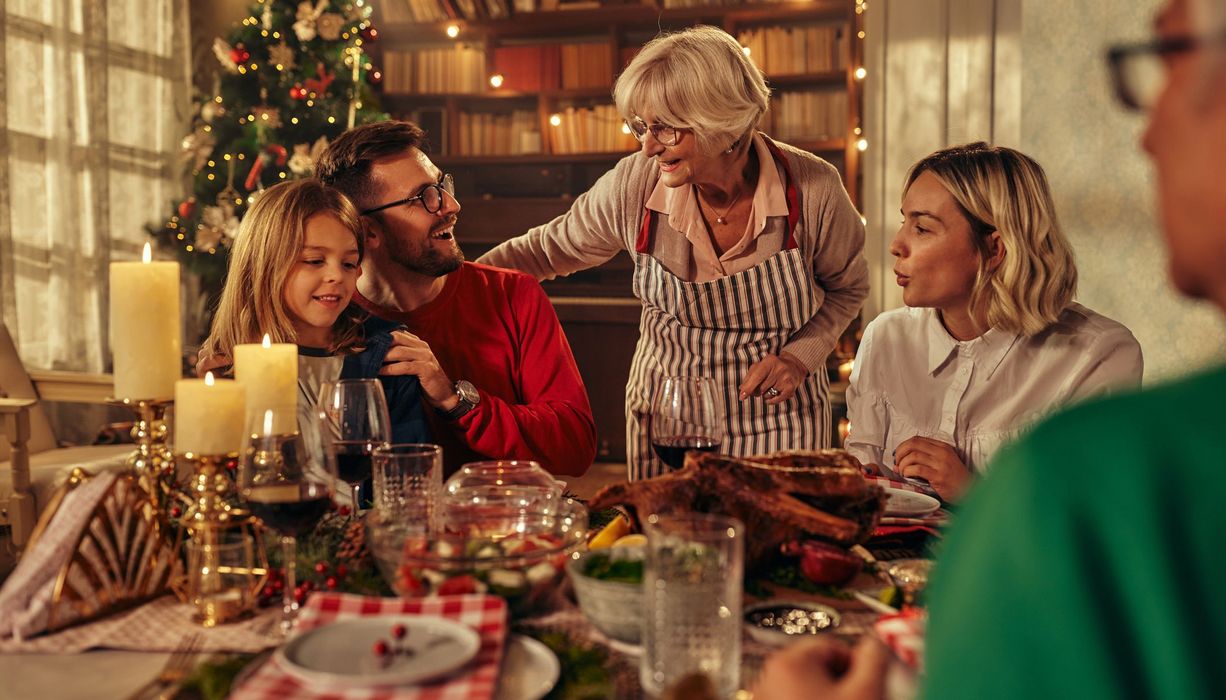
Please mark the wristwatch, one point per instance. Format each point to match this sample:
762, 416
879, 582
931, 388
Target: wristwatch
469, 398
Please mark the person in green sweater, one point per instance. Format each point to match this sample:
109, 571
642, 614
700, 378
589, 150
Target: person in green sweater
1089, 563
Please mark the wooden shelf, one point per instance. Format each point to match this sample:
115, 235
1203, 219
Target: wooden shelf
415, 99
600, 20
803, 80
531, 158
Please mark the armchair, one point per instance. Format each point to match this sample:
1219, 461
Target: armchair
31, 462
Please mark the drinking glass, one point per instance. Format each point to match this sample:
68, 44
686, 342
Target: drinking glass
692, 589
222, 579
354, 415
687, 413
409, 483
286, 480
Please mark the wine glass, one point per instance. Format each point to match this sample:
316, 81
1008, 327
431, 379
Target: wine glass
286, 480
687, 413
354, 415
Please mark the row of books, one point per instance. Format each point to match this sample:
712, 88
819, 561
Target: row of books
515, 133
403, 11
670, 4
807, 116
455, 69
793, 50
597, 129
570, 66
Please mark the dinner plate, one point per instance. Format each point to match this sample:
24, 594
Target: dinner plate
342, 653
529, 670
903, 502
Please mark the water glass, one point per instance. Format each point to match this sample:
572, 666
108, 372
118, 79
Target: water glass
409, 483
692, 586
222, 579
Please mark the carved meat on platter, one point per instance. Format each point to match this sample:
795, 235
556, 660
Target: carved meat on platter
779, 497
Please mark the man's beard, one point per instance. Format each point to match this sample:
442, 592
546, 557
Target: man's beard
423, 258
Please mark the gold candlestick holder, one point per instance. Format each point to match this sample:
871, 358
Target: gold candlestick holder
152, 461
214, 523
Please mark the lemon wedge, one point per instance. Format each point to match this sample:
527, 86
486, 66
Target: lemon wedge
617, 528
635, 540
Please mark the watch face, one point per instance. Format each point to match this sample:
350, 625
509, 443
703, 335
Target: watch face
468, 393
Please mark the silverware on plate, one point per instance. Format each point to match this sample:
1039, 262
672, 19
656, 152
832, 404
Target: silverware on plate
176, 669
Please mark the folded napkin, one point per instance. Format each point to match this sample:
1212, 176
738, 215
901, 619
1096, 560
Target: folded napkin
486, 614
26, 598
903, 633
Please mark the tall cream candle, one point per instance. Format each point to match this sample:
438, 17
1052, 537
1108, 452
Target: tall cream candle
209, 416
270, 373
145, 330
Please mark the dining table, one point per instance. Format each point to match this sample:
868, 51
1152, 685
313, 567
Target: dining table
83, 667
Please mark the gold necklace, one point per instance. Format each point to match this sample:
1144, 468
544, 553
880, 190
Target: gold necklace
720, 218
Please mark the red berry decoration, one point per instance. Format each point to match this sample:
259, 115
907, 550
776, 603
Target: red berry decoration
344, 511
238, 54
321, 567
297, 92
330, 583
342, 571
398, 631
176, 511
380, 648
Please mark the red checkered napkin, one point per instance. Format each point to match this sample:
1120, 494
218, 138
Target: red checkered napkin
904, 635
487, 614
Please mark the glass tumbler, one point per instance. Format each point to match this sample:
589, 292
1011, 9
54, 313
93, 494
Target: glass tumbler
408, 480
692, 587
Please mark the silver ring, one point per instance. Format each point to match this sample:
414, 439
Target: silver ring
772, 392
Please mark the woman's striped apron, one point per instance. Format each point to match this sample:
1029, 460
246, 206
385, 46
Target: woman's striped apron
719, 329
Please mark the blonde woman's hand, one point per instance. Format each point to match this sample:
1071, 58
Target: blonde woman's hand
825, 668
935, 461
412, 355
777, 377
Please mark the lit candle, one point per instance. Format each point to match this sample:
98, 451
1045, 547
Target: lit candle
270, 373
145, 330
209, 415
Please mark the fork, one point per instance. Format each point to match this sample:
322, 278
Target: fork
176, 668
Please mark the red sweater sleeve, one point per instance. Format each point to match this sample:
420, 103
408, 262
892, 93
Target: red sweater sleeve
552, 423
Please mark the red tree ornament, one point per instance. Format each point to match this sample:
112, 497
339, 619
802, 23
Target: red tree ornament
239, 55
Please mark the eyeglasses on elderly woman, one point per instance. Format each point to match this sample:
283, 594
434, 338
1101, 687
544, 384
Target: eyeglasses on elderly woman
665, 134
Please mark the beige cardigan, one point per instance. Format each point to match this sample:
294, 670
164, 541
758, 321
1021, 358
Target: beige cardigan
606, 219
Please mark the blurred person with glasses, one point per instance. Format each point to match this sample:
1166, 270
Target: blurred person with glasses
485, 343
1088, 564
748, 252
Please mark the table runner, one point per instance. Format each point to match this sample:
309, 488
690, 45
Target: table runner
487, 614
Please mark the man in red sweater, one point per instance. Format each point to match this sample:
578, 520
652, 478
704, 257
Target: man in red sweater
485, 342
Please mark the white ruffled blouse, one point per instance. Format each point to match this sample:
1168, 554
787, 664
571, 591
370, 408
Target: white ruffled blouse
911, 377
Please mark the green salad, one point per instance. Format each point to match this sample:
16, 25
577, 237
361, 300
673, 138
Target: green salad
606, 568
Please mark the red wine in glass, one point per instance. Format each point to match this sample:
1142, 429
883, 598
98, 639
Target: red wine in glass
672, 450
289, 508
353, 460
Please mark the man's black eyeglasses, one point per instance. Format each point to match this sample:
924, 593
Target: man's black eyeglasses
1137, 71
431, 197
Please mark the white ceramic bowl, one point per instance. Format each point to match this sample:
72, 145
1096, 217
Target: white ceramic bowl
614, 608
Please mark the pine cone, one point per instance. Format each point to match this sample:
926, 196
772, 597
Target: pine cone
353, 548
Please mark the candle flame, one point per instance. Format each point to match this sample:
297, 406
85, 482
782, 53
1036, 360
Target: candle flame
147, 256
268, 422
208, 379
267, 341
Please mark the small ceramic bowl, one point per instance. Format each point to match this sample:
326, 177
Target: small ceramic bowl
613, 607
781, 622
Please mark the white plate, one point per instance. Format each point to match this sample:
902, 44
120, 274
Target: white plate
903, 502
529, 670
342, 653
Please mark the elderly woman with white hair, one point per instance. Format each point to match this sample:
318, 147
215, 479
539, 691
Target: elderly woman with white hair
991, 339
748, 253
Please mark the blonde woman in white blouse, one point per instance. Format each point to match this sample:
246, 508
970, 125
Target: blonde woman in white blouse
990, 340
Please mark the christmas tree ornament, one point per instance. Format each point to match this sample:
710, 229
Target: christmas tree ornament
196, 148
223, 52
187, 207
282, 55
297, 92
370, 35
307, 17
211, 110
374, 76
329, 26
239, 54
319, 84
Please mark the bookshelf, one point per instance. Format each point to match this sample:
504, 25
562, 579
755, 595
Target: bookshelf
522, 146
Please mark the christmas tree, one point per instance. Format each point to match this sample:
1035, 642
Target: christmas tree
294, 75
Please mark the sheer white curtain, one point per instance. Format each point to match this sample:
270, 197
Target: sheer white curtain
95, 104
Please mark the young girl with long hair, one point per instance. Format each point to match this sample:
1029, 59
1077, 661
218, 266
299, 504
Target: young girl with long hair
293, 271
